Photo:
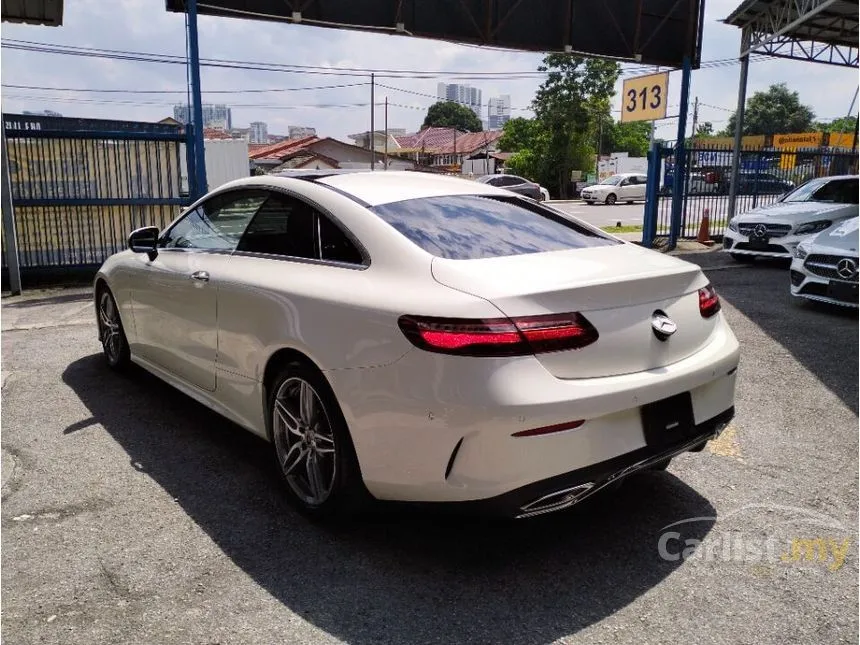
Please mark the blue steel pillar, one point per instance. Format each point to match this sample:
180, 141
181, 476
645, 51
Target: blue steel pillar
679, 177
652, 190
196, 104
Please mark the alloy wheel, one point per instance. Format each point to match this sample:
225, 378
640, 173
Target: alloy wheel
304, 441
110, 328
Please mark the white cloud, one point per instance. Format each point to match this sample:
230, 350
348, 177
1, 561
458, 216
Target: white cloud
144, 25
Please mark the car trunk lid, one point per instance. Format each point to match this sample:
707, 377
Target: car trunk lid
618, 289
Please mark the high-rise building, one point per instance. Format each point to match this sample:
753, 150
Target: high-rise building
214, 116
300, 131
462, 94
498, 111
259, 132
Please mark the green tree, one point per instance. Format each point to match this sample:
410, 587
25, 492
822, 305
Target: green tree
631, 138
575, 91
842, 124
775, 111
705, 129
447, 114
519, 134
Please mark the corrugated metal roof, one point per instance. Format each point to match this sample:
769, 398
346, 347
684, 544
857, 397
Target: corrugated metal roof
33, 12
835, 23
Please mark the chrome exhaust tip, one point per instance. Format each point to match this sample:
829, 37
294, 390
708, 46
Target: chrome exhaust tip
556, 501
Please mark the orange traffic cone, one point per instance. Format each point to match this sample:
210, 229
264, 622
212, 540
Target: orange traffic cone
704, 236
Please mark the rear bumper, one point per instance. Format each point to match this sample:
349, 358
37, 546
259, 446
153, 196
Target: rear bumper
433, 428
564, 491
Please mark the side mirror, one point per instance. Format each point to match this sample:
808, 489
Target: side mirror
144, 240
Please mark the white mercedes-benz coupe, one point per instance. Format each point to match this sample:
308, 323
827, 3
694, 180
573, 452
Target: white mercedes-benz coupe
825, 267
414, 337
776, 229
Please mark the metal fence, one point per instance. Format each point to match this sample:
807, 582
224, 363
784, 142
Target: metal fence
79, 186
765, 175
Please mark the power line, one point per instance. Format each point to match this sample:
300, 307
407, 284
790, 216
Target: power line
182, 91
133, 56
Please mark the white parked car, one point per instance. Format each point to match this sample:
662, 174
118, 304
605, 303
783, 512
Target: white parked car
405, 336
626, 187
825, 267
775, 230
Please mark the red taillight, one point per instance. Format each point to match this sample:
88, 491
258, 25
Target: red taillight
499, 336
559, 427
709, 301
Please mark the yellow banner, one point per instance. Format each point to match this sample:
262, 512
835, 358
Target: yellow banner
801, 140
841, 140
749, 141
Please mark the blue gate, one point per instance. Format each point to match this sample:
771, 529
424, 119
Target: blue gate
79, 186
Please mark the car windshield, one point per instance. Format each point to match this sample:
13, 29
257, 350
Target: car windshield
470, 227
838, 191
614, 180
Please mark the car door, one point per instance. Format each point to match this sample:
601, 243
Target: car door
175, 295
625, 189
639, 187
288, 239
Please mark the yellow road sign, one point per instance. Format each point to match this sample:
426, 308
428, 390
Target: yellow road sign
644, 98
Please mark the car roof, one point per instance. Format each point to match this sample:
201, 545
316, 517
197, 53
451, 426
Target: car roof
383, 187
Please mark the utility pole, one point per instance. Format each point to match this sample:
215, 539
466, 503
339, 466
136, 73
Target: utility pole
372, 124
695, 121
386, 133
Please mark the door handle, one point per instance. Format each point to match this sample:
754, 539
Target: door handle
202, 276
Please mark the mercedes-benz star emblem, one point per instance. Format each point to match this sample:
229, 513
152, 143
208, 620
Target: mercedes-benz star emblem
760, 230
662, 325
846, 268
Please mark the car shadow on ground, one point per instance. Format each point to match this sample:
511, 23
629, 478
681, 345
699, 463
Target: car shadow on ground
391, 577
822, 337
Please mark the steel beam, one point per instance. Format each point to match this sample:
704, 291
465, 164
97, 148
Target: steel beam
197, 102
10, 235
739, 126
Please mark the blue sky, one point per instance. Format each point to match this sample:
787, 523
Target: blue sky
145, 25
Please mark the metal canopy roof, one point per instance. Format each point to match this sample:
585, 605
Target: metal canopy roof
33, 12
822, 31
657, 32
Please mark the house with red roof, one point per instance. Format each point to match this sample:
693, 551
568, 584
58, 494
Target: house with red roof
447, 147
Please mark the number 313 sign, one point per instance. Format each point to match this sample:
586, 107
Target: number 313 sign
644, 98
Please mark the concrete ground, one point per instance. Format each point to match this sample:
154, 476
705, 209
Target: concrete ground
632, 214
132, 515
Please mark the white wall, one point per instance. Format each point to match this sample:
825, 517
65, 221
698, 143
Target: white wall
226, 160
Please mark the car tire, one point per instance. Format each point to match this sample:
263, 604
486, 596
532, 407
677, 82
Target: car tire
611, 199
744, 259
590, 203
111, 332
311, 445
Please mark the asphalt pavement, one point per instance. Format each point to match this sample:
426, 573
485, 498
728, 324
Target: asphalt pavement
131, 514
632, 214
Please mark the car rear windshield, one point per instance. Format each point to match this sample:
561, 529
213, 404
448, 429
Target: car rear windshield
471, 227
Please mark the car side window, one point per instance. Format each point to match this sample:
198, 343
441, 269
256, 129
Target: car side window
215, 225
289, 227
334, 244
283, 226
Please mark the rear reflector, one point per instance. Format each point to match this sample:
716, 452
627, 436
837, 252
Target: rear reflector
709, 301
559, 427
499, 336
